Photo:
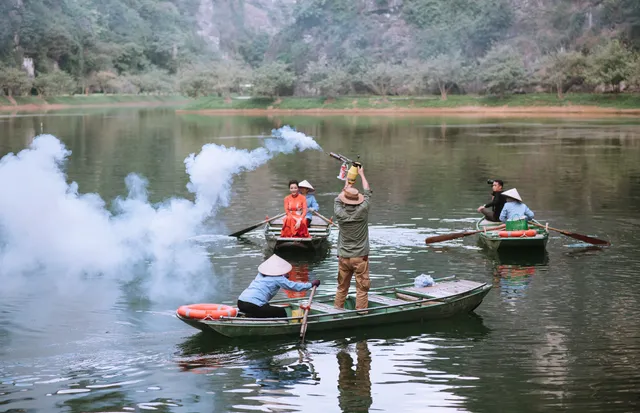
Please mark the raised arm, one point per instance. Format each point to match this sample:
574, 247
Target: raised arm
365, 183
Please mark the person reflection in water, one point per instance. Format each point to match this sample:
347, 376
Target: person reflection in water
354, 387
300, 274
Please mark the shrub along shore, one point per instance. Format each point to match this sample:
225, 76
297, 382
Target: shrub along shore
26, 103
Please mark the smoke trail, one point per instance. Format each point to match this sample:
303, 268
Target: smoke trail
48, 226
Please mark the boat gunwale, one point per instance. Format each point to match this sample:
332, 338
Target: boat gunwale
371, 311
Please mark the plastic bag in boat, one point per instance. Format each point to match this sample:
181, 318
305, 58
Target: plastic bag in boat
423, 280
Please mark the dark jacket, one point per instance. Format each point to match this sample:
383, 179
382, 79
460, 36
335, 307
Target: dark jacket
497, 203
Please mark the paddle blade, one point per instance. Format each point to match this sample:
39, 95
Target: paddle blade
448, 237
251, 228
244, 231
587, 239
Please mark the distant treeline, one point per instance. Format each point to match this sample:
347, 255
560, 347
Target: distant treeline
381, 47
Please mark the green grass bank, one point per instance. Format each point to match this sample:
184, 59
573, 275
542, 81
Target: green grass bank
53, 102
624, 101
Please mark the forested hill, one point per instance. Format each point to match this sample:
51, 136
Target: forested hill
150, 45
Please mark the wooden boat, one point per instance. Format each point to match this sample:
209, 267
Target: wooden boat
387, 305
319, 231
494, 241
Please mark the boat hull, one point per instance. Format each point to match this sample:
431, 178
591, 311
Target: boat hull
319, 232
423, 310
494, 242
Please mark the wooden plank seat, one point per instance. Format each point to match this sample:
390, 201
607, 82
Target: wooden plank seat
326, 308
442, 290
381, 299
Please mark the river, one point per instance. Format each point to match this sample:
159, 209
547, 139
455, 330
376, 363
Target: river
91, 276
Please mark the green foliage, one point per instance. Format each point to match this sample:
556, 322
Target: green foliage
384, 79
220, 78
272, 79
55, 83
468, 25
610, 64
253, 49
329, 81
561, 70
154, 81
502, 70
444, 71
14, 82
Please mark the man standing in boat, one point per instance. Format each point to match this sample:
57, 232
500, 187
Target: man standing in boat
492, 210
351, 209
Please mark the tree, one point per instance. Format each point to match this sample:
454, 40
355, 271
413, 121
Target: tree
502, 70
14, 82
271, 79
385, 78
444, 71
54, 83
610, 64
561, 70
330, 81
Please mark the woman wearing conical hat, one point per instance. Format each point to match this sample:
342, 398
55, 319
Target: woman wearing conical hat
514, 209
312, 205
272, 275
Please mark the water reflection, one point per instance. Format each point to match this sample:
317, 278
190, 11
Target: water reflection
514, 271
299, 273
359, 364
354, 385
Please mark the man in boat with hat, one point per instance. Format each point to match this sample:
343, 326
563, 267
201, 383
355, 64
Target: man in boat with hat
272, 275
351, 209
492, 210
514, 209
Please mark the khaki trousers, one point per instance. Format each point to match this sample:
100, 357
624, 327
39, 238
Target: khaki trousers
347, 267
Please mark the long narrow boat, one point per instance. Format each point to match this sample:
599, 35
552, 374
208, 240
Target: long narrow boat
387, 305
319, 231
494, 241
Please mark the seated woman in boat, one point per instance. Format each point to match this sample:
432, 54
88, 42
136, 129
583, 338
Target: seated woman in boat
514, 209
307, 190
294, 224
272, 275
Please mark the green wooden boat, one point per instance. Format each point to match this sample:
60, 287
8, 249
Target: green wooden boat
495, 242
319, 231
387, 305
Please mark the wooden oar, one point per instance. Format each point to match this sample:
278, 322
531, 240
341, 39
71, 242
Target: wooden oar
585, 238
303, 328
251, 228
456, 235
325, 219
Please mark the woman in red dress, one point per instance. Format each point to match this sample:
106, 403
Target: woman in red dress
295, 206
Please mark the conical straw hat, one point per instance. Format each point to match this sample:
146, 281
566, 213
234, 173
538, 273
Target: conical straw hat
274, 266
513, 193
306, 184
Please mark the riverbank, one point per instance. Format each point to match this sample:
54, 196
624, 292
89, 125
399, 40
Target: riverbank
542, 104
35, 103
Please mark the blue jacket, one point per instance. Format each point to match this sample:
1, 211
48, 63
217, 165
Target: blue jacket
514, 211
312, 204
263, 288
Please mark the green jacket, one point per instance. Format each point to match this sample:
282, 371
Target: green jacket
353, 238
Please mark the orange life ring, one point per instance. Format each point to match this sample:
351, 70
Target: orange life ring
511, 234
207, 311
518, 234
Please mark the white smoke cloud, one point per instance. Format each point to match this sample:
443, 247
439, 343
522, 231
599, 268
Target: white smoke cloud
48, 227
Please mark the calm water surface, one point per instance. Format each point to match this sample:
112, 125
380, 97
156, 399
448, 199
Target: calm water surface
559, 330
